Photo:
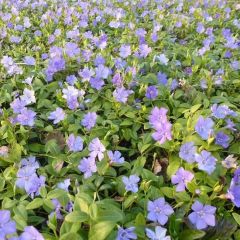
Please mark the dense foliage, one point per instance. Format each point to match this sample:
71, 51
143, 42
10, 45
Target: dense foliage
119, 119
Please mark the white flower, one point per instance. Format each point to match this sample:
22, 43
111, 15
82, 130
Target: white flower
159, 234
162, 59
230, 162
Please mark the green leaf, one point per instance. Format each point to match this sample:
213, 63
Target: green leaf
236, 217
36, 203
167, 191
113, 215
52, 147
101, 230
191, 234
71, 235
174, 163
77, 216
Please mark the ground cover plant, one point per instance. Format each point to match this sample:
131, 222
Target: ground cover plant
119, 119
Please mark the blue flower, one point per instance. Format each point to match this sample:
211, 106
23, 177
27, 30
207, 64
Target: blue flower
221, 111
202, 215
88, 166
115, 157
57, 116
204, 127
131, 183
125, 51
96, 149
206, 161
162, 78
188, 151
28, 60
222, 139
26, 117
75, 144
159, 211
126, 234
31, 233
152, 92
121, 94
89, 120
64, 185
7, 226
159, 234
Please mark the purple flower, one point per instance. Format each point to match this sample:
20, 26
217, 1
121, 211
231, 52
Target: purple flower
75, 144
181, 178
163, 133
188, 151
102, 71
159, 210
24, 174
117, 80
162, 78
203, 84
27, 178
152, 92
7, 226
234, 189
144, 50
57, 208
157, 117
28, 96
159, 234
96, 83
120, 63
55, 64
28, 60
64, 185
115, 157
86, 74
57, 115
154, 36
121, 94
206, 161
131, 183
202, 215
31, 233
89, 120
228, 54
204, 127
72, 49
71, 79
158, 120
88, 166
26, 117
230, 125
71, 94
17, 105
174, 85
200, 28
15, 39
32, 187
188, 70
220, 112
125, 51
222, 139
30, 162
96, 149
99, 60
235, 65
126, 234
